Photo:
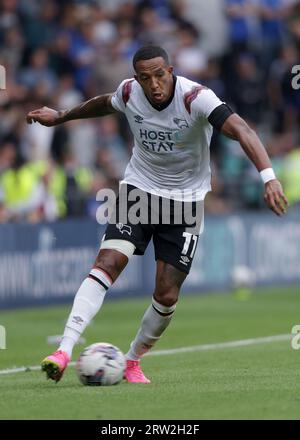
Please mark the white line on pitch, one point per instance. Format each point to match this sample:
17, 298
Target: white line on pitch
230, 344
203, 347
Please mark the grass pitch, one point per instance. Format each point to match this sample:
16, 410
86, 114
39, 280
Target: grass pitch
259, 381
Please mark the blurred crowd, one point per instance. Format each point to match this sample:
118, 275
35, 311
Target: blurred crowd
59, 53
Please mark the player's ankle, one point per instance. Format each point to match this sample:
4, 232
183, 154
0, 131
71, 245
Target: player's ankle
131, 356
67, 345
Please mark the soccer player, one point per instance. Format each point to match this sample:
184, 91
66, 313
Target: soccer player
172, 120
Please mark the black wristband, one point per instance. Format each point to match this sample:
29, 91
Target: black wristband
219, 115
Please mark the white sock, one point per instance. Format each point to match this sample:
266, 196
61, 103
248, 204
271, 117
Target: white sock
87, 303
155, 320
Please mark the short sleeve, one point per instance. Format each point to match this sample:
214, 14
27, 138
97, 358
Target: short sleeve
205, 102
121, 96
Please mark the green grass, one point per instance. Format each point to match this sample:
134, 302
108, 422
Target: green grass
253, 382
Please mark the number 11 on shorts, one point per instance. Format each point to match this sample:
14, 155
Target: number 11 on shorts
188, 237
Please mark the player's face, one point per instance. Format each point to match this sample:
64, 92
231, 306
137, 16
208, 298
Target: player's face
156, 79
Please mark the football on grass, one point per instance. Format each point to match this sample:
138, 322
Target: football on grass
101, 364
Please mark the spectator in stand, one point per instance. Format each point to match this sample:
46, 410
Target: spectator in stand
152, 28
238, 12
248, 89
284, 100
23, 194
83, 51
190, 60
39, 72
290, 175
271, 13
293, 23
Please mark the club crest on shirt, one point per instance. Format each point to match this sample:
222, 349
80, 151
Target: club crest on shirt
181, 123
139, 119
124, 228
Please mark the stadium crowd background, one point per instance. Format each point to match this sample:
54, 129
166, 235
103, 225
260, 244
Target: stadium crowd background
61, 52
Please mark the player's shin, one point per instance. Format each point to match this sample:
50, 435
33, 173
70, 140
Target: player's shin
87, 303
154, 322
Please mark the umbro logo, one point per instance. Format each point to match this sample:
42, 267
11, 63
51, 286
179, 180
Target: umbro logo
124, 228
181, 123
184, 260
139, 119
77, 320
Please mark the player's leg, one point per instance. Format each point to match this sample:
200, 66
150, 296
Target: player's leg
89, 298
175, 244
110, 262
121, 241
156, 318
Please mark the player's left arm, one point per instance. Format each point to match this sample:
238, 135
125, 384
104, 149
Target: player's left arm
236, 128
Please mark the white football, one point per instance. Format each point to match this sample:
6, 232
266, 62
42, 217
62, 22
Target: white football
101, 364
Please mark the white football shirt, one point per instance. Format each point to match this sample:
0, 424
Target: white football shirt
171, 155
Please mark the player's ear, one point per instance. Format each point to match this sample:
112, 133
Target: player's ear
170, 69
136, 78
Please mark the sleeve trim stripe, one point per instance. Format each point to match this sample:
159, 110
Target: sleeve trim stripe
126, 90
190, 96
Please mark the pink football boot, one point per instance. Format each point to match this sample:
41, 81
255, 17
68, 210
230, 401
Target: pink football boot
55, 365
134, 374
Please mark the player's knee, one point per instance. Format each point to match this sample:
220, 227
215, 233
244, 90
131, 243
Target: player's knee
166, 295
111, 262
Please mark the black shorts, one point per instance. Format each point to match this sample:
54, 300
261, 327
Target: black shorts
174, 226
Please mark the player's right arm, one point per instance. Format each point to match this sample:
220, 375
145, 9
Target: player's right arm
93, 108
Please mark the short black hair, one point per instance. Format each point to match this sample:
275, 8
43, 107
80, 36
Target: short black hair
149, 52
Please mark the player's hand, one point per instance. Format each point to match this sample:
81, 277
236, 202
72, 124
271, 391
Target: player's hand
275, 198
45, 116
